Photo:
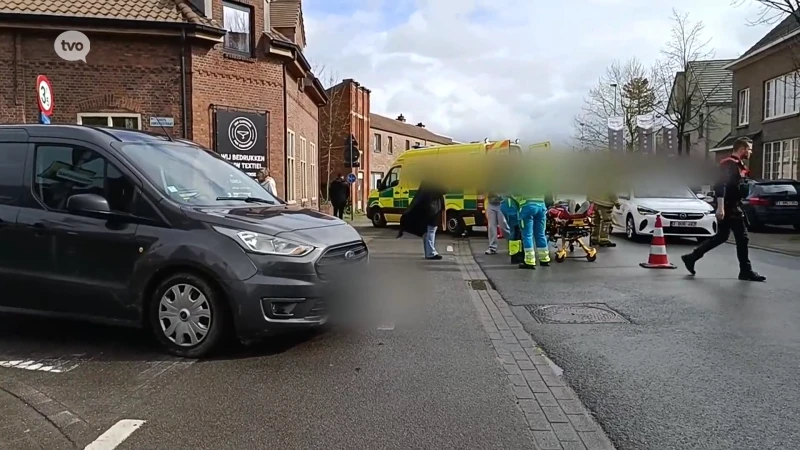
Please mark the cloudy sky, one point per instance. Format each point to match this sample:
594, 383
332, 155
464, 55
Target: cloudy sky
472, 69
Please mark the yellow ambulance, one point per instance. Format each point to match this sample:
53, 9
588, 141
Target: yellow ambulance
464, 207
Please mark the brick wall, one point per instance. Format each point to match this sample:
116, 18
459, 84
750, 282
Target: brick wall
121, 75
347, 112
240, 83
303, 116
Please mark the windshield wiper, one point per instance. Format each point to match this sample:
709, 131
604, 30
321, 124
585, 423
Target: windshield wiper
247, 199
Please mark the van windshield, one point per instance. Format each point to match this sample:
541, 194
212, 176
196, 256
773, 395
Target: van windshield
192, 175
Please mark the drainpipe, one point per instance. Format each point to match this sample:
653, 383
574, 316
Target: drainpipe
184, 106
285, 140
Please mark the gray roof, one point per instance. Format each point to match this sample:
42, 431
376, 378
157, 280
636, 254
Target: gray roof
785, 27
714, 81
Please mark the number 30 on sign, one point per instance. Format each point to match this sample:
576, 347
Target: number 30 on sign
44, 95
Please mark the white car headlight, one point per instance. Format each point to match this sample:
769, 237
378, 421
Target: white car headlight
265, 244
646, 211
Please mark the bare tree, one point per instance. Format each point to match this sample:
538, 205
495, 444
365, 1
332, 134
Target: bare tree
334, 124
773, 11
684, 80
623, 91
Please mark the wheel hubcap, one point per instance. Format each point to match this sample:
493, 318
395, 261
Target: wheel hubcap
629, 228
185, 315
452, 224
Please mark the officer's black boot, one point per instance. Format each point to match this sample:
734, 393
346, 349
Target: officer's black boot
751, 275
689, 261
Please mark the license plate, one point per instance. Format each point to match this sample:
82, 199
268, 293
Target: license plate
786, 203
684, 224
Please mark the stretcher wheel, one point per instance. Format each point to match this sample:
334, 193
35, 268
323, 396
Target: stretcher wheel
560, 258
591, 258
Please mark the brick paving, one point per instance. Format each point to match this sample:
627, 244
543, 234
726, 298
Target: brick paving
555, 415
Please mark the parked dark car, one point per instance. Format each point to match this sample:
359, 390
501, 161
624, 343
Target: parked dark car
775, 202
135, 228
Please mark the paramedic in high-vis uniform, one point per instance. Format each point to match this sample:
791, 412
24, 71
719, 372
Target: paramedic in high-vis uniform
603, 204
533, 215
510, 210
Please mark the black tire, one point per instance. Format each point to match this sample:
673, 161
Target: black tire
219, 325
630, 230
377, 217
455, 224
702, 239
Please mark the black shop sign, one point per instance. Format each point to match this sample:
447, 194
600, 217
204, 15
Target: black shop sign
241, 138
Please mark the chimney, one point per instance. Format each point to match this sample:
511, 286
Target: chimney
421, 125
401, 118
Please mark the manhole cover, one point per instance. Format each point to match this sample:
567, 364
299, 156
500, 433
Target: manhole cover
478, 285
576, 314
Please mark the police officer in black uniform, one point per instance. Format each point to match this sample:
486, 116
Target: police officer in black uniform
728, 192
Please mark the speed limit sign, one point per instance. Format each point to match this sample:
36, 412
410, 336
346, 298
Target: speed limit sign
44, 95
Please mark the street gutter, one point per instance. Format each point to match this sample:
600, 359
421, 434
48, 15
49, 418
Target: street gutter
768, 249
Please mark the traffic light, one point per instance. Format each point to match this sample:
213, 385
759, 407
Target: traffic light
351, 152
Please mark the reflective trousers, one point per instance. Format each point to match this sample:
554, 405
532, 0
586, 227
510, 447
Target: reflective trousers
534, 219
511, 214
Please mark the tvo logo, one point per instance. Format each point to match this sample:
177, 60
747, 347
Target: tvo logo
72, 46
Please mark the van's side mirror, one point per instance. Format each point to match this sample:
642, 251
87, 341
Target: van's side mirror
379, 184
394, 183
88, 203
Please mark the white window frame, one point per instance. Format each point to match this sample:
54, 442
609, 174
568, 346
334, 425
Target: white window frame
314, 174
775, 106
291, 169
303, 169
377, 142
744, 107
775, 158
110, 115
250, 18
267, 19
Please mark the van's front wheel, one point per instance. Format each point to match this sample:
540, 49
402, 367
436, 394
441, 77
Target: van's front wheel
377, 217
455, 224
187, 316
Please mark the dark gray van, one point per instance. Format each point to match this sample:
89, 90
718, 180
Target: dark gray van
134, 228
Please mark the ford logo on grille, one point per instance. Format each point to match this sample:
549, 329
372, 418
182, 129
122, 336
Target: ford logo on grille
350, 254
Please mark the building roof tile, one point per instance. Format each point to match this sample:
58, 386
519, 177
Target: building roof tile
713, 80
785, 27
144, 10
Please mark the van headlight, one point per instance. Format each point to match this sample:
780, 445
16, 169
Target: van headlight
646, 211
265, 244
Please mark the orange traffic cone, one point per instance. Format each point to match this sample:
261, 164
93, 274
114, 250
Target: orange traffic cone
658, 250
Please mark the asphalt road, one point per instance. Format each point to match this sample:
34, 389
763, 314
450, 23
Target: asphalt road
706, 362
420, 372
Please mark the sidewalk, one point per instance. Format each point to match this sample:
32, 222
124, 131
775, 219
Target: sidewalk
784, 240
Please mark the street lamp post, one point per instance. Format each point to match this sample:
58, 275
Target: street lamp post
614, 85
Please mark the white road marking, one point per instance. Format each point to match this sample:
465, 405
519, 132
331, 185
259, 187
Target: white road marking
115, 435
450, 248
30, 365
387, 327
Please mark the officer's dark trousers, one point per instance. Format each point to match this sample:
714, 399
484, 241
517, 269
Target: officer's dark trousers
726, 226
338, 210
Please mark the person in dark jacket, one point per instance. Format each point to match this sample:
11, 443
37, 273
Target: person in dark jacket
339, 192
728, 192
423, 216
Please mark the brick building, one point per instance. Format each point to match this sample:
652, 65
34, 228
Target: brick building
766, 103
347, 112
198, 65
389, 138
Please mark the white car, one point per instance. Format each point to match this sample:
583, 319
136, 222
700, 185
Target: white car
682, 212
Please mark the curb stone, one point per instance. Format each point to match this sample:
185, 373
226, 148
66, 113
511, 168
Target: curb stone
555, 415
